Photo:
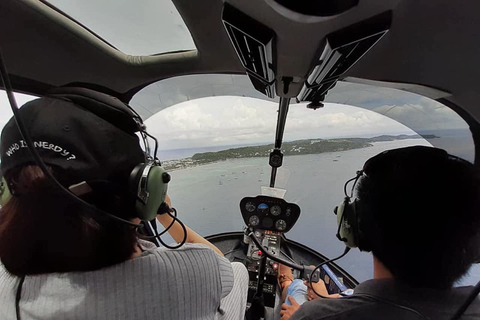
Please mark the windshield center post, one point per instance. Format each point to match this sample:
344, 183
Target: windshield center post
276, 156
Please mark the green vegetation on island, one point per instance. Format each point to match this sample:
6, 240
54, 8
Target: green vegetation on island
298, 147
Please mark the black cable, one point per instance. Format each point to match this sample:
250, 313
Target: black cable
158, 236
356, 178
345, 186
38, 160
359, 174
184, 233
347, 249
471, 297
18, 296
156, 144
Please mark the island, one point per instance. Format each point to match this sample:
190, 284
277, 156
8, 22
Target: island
289, 148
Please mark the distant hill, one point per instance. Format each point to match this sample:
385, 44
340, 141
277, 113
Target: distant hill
298, 147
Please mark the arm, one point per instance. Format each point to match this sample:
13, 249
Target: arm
176, 231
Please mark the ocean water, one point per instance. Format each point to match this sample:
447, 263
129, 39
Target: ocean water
207, 197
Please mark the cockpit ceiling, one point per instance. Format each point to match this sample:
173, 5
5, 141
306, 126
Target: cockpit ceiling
430, 43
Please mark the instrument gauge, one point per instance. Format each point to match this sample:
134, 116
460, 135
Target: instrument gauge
262, 208
281, 225
254, 220
275, 210
250, 206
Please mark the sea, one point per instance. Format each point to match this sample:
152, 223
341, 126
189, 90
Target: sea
207, 198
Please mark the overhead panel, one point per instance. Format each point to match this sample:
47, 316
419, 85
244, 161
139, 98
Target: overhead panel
342, 50
255, 46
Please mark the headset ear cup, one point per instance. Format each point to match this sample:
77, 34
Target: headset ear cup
346, 220
157, 186
5, 194
149, 199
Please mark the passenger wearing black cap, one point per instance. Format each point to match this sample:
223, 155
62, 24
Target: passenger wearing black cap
417, 210
61, 259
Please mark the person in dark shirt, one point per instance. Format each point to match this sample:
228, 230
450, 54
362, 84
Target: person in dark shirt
417, 209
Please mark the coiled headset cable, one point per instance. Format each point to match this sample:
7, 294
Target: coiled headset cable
158, 235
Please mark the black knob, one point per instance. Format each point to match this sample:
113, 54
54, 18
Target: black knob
166, 177
335, 210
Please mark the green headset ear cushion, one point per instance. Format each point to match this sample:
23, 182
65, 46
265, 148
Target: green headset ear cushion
346, 223
157, 191
5, 194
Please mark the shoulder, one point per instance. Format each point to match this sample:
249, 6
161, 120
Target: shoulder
206, 262
189, 255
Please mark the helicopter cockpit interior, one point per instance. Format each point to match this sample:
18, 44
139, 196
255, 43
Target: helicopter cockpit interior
414, 64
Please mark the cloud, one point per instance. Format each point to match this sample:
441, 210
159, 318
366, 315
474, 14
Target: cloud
415, 111
231, 120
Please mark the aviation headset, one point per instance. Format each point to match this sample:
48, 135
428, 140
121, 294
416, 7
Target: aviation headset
349, 213
148, 181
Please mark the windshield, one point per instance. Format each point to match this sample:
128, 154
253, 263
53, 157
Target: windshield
214, 138
139, 28
323, 149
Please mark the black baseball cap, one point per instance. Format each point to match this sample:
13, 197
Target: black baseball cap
72, 136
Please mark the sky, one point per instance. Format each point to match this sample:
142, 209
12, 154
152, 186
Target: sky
233, 120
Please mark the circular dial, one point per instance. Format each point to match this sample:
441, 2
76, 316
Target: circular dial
262, 208
250, 206
281, 225
275, 210
254, 220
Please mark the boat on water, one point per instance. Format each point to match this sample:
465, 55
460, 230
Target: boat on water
259, 83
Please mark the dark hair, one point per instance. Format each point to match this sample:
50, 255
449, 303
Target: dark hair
422, 219
43, 231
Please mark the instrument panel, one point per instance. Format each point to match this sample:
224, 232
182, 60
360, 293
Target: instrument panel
269, 213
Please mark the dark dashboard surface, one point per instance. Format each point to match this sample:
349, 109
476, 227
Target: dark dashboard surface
269, 213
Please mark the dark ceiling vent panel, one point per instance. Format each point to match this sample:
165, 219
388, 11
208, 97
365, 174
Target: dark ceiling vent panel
320, 8
341, 51
254, 44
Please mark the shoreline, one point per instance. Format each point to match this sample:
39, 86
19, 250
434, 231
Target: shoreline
186, 163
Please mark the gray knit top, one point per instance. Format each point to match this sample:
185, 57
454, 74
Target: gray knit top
187, 283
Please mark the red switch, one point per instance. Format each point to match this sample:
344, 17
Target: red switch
275, 266
259, 252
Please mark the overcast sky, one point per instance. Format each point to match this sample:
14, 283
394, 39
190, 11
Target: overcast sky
218, 121
230, 120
